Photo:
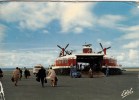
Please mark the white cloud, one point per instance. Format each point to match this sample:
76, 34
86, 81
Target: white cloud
111, 21
133, 35
130, 28
135, 11
35, 16
127, 58
121, 56
78, 30
45, 31
131, 58
132, 47
8, 10
133, 54
72, 16
132, 32
29, 15
76, 15
104, 43
26, 58
2, 32
133, 28
133, 44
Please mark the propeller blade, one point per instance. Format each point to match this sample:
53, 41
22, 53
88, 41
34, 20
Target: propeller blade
99, 52
67, 52
87, 45
66, 46
108, 47
59, 47
101, 46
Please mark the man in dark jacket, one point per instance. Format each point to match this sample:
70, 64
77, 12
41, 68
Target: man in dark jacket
41, 75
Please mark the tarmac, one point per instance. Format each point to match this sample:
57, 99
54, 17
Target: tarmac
116, 87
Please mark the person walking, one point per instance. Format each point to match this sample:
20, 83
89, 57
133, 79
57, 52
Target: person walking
52, 76
16, 75
1, 73
26, 73
41, 75
20, 73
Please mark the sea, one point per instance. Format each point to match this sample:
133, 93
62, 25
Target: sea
11, 69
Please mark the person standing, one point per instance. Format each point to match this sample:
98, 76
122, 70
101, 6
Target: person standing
71, 70
90, 73
107, 70
41, 75
16, 75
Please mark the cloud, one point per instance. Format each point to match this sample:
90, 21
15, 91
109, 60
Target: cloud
131, 38
33, 16
134, 35
121, 56
127, 58
105, 43
2, 32
29, 15
10, 9
133, 44
135, 11
134, 28
131, 32
71, 16
110, 21
76, 15
78, 30
133, 54
26, 58
45, 31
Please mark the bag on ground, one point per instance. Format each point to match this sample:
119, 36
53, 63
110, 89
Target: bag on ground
45, 80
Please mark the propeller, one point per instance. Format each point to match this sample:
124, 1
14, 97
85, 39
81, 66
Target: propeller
103, 49
63, 50
60, 47
108, 47
87, 45
66, 46
101, 46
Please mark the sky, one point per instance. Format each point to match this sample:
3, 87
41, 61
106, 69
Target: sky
31, 31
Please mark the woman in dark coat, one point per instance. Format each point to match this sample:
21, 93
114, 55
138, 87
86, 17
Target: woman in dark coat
1, 73
41, 75
26, 73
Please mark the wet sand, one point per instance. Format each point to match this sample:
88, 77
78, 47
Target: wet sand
104, 88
